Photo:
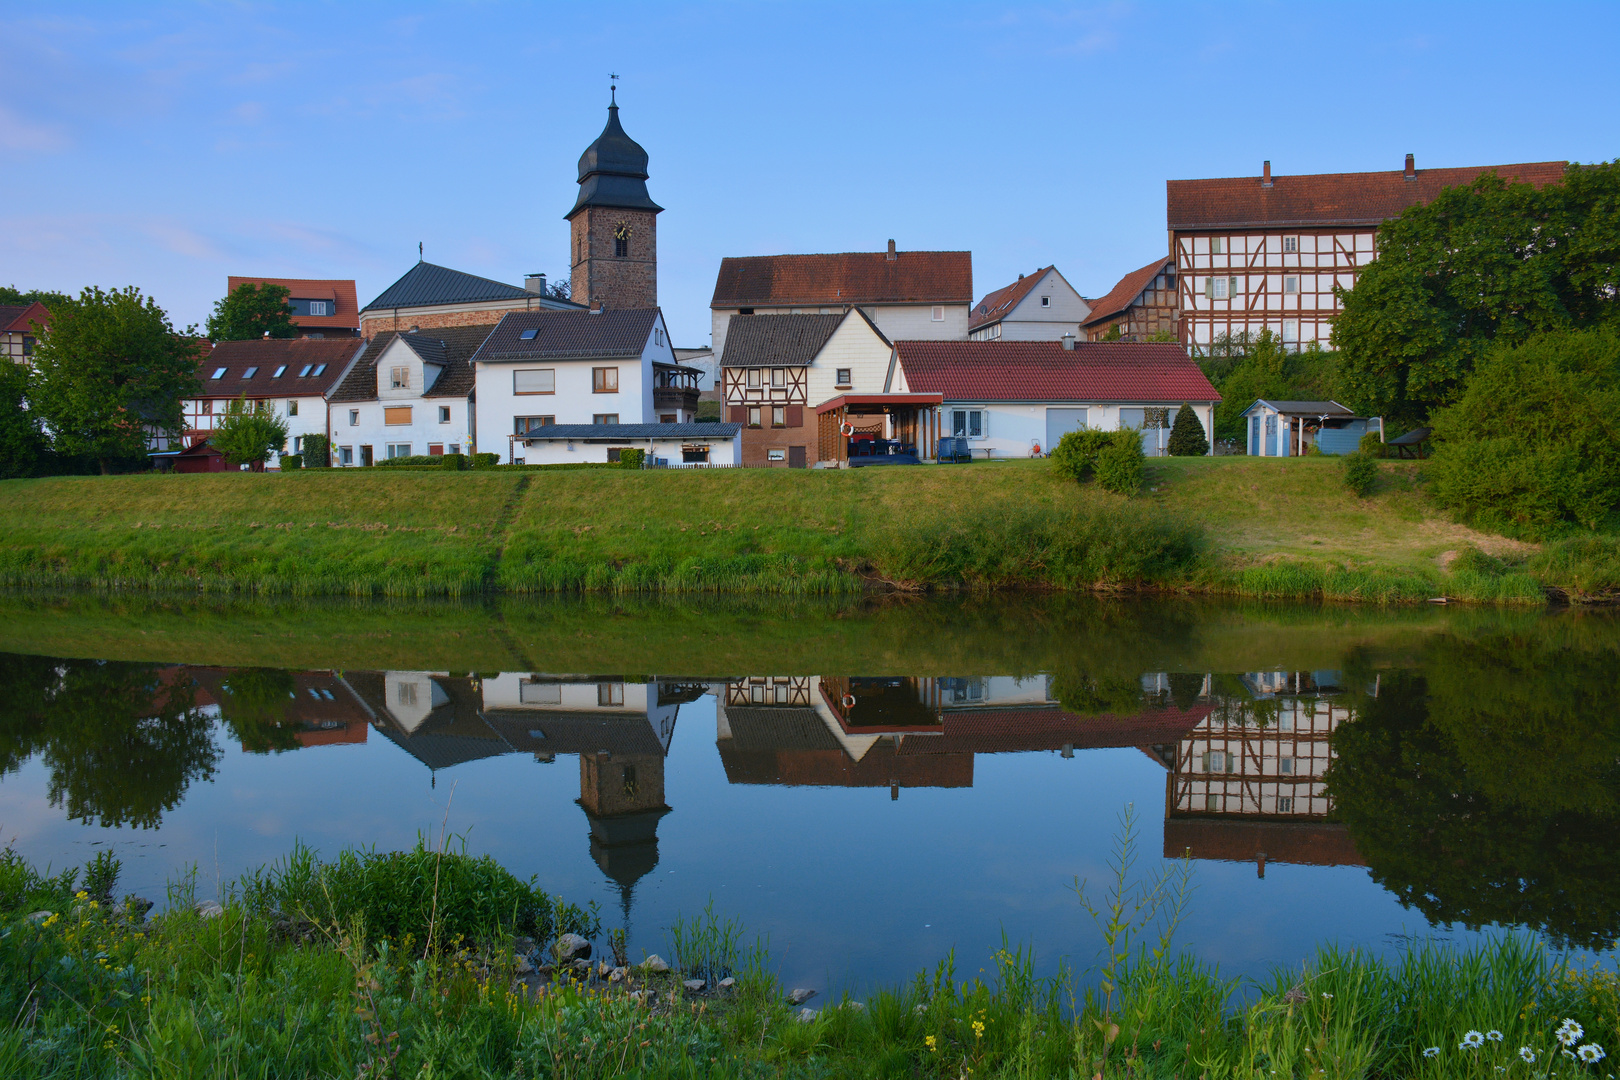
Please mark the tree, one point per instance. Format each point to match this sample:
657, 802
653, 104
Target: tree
109, 367
1120, 463
251, 312
1486, 262
10, 294
1245, 368
559, 289
254, 705
317, 452
1532, 445
1187, 435
21, 444
247, 435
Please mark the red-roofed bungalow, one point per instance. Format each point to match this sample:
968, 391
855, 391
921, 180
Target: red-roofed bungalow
1016, 399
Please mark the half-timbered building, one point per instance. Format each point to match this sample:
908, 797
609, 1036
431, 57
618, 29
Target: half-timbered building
1268, 252
1042, 306
1140, 307
19, 325
906, 294
775, 367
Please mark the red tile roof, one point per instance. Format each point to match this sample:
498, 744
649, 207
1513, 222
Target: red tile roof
1124, 294
346, 304
1326, 198
1100, 371
856, 277
266, 355
15, 318
996, 305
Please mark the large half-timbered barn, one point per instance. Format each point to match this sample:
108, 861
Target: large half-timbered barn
1266, 252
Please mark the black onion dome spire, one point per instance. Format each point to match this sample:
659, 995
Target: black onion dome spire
613, 171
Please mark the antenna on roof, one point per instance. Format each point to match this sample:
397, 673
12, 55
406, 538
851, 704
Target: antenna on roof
419, 251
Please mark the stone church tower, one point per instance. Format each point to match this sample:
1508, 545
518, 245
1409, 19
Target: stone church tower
614, 224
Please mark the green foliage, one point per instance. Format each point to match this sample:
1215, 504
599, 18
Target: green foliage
1113, 333
291, 462
411, 461
1120, 463
428, 895
246, 435
483, 461
1187, 435
1532, 446
251, 312
22, 446
1371, 444
1486, 263
110, 366
254, 706
1586, 566
709, 412
631, 457
455, 462
10, 294
1075, 455
1245, 369
317, 452
1360, 473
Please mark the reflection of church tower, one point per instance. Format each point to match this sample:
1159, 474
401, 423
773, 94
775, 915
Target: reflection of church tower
623, 796
614, 234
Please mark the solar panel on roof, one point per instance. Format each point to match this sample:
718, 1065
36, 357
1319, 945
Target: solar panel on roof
528, 335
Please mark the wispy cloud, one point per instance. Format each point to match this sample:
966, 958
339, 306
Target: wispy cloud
23, 136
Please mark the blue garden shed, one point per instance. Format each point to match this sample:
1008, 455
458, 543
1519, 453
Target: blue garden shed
1291, 428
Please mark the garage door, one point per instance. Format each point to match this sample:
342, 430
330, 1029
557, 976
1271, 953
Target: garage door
1059, 422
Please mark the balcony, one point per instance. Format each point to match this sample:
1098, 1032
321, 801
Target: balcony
675, 388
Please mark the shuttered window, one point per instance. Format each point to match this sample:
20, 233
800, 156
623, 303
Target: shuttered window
397, 415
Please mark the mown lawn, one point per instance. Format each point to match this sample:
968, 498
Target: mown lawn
1236, 525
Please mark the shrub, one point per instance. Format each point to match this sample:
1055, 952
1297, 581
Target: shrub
1119, 464
410, 460
1532, 446
631, 457
247, 435
484, 461
455, 462
1187, 437
1360, 473
1075, 455
317, 452
289, 462
1372, 444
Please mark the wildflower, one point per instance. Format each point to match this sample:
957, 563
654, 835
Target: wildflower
1569, 1032
933, 1043
1528, 1055
1494, 1035
1327, 995
1433, 1051
1471, 1041
81, 895
978, 1029
1591, 1053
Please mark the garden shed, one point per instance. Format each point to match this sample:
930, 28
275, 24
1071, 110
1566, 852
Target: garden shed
1291, 428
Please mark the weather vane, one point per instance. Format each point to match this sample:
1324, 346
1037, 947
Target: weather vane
613, 88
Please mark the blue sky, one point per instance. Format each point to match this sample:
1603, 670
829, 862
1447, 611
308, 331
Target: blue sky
169, 145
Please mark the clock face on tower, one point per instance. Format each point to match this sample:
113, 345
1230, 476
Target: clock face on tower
622, 232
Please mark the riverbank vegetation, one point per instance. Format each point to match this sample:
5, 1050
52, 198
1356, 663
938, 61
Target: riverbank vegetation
1237, 526
292, 976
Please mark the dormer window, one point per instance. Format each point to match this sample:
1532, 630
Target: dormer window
250, 372
399, 378
317, 307
219, 373
278, 372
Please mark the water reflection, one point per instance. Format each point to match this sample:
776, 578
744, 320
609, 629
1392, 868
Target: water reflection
1476, 777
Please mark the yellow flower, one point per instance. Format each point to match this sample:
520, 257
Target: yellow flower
978, 1029
933, 1043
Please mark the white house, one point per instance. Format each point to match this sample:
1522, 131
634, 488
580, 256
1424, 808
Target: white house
1017, 398
685, 445
408, 394
1042, 306
605, 368
1291, 428
923, 295
291, 377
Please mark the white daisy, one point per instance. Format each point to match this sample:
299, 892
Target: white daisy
1569, 1032
1433, 1051
1528, 1055
1591, 1053
1494, 1036
1471, 1041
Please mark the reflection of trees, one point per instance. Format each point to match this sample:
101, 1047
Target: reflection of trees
254, 704
1484, 789
121, 744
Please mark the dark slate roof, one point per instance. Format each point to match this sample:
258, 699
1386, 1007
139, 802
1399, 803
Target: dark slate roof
755, 727
1306, 408
1368, 198
426, 285
997, 304
426, 346
569, 335
621, 432
456, 344
264, 356
613, 171
564, 732
763, 340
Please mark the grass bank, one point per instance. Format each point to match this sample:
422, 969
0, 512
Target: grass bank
354, 968
1247, 527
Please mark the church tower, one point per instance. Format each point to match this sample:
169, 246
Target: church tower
614, 224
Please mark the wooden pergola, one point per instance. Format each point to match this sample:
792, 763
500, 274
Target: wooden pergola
910, 419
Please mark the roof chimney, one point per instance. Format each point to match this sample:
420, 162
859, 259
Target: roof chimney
1068, 342
891, 251
535, 283
1411, 168
1265, 175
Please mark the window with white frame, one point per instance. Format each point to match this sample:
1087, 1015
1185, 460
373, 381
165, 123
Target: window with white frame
534, 381
1290, 245
1215, 245
753, 380
967, 423
938, 314
778, 376
354, 417
1220, 288
444, 414
1285, 804
776, 454
1290, 331
753, 416
399, 378
778, 416
843, 378
399, 449
292, 408
346, 455
1046, 301
1290, 284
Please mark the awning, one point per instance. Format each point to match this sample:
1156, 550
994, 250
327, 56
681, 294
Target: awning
871, 401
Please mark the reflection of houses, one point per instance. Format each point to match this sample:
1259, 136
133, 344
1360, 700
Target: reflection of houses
1248, 782
321, 709
912, 732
